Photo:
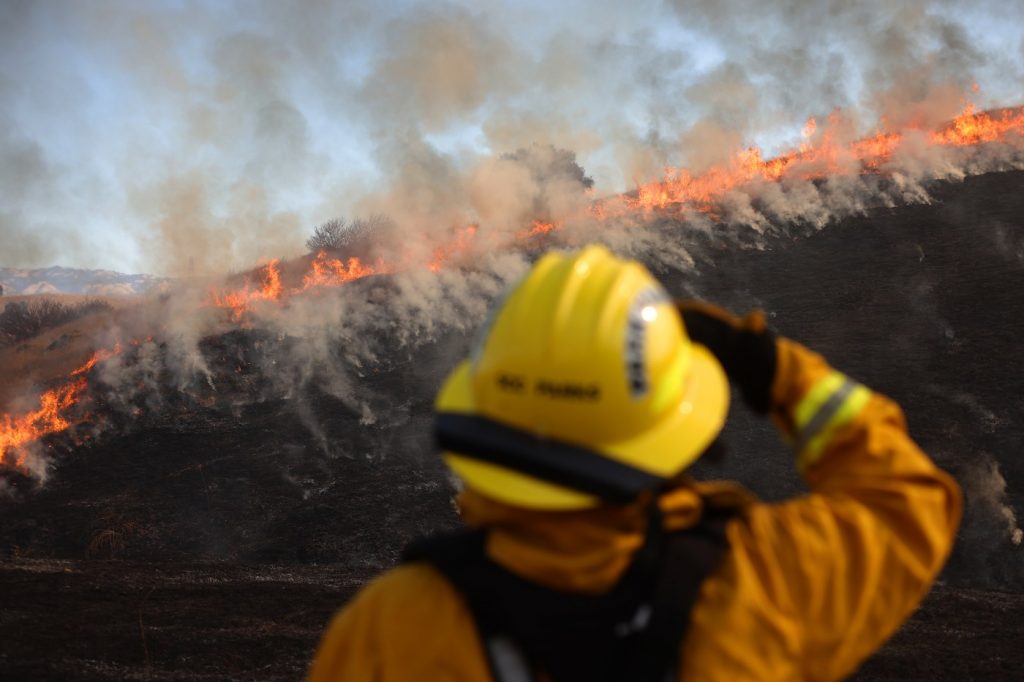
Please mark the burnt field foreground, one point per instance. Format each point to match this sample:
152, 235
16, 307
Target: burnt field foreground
213, 541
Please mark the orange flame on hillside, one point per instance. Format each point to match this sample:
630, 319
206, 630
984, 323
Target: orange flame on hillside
239, 302
462, 243
332, 272
51, 417
815, 160
323, 272
538, 228
972, 128
819, 155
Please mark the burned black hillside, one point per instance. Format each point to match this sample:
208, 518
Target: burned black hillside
209, 531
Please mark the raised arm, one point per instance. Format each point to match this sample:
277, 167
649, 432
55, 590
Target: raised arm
846, 564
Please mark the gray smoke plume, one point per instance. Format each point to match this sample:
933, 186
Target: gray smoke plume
217, 135
985, 488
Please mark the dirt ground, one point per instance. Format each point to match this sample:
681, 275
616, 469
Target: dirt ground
103, 620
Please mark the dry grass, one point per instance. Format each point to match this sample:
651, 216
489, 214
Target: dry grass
106, 544
54, 353
71, 299
20, 321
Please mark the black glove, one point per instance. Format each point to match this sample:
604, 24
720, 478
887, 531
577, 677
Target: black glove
744, 346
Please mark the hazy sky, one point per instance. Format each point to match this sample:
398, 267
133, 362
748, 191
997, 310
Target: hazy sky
136, 135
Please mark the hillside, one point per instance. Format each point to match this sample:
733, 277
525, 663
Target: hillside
209, 529
60, 280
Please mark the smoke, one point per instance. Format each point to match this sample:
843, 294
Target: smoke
439, 68
209, 137
904, 62
990, 537
986, 487
28, 179
178, 352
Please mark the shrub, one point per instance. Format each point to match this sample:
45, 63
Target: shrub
327, 236
336, 234
22, 320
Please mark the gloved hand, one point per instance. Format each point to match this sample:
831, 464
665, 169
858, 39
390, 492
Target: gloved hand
744, 346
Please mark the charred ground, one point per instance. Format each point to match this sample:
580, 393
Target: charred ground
213, 538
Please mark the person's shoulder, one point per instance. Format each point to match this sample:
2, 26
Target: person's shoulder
416, 575
411, 588
410, 615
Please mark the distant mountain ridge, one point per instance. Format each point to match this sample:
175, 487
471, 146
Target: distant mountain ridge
61, 280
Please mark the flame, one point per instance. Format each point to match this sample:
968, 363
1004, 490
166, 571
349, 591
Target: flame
51, 417
462, 243
973, 128
327, 272
807, 132
538, 228
815, 160
239, 302
819, 155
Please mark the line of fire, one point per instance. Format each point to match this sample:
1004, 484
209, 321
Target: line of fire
820, 156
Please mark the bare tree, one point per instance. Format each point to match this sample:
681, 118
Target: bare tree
363, 228
358, 234
329, 235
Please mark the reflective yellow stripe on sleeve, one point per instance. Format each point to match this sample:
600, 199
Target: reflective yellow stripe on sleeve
831, 403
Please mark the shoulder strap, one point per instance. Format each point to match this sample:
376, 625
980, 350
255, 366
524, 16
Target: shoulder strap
634, 632
461, 557
689, 558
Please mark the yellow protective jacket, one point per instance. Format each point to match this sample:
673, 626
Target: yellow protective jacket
808, 589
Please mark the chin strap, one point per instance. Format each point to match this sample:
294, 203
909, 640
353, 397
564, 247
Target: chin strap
554, 461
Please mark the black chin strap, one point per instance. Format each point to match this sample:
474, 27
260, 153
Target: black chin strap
558, 462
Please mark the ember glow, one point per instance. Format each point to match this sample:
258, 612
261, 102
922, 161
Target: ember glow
51, 417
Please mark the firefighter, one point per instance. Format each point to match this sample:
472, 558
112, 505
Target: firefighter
589, 554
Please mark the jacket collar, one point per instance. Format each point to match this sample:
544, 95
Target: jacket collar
587, 550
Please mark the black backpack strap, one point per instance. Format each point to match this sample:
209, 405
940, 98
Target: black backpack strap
634, 632
688, 559
461, 557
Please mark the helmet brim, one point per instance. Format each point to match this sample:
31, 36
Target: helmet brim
665, 449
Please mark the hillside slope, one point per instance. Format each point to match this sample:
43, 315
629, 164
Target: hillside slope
74, 281
252, 516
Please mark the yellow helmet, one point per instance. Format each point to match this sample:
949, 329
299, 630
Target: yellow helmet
584, 388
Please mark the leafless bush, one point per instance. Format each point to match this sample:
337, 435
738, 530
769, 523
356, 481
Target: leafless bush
327, 236
105, 544
336, 234
22, 320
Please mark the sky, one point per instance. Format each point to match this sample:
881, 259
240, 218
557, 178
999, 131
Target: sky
142, 136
